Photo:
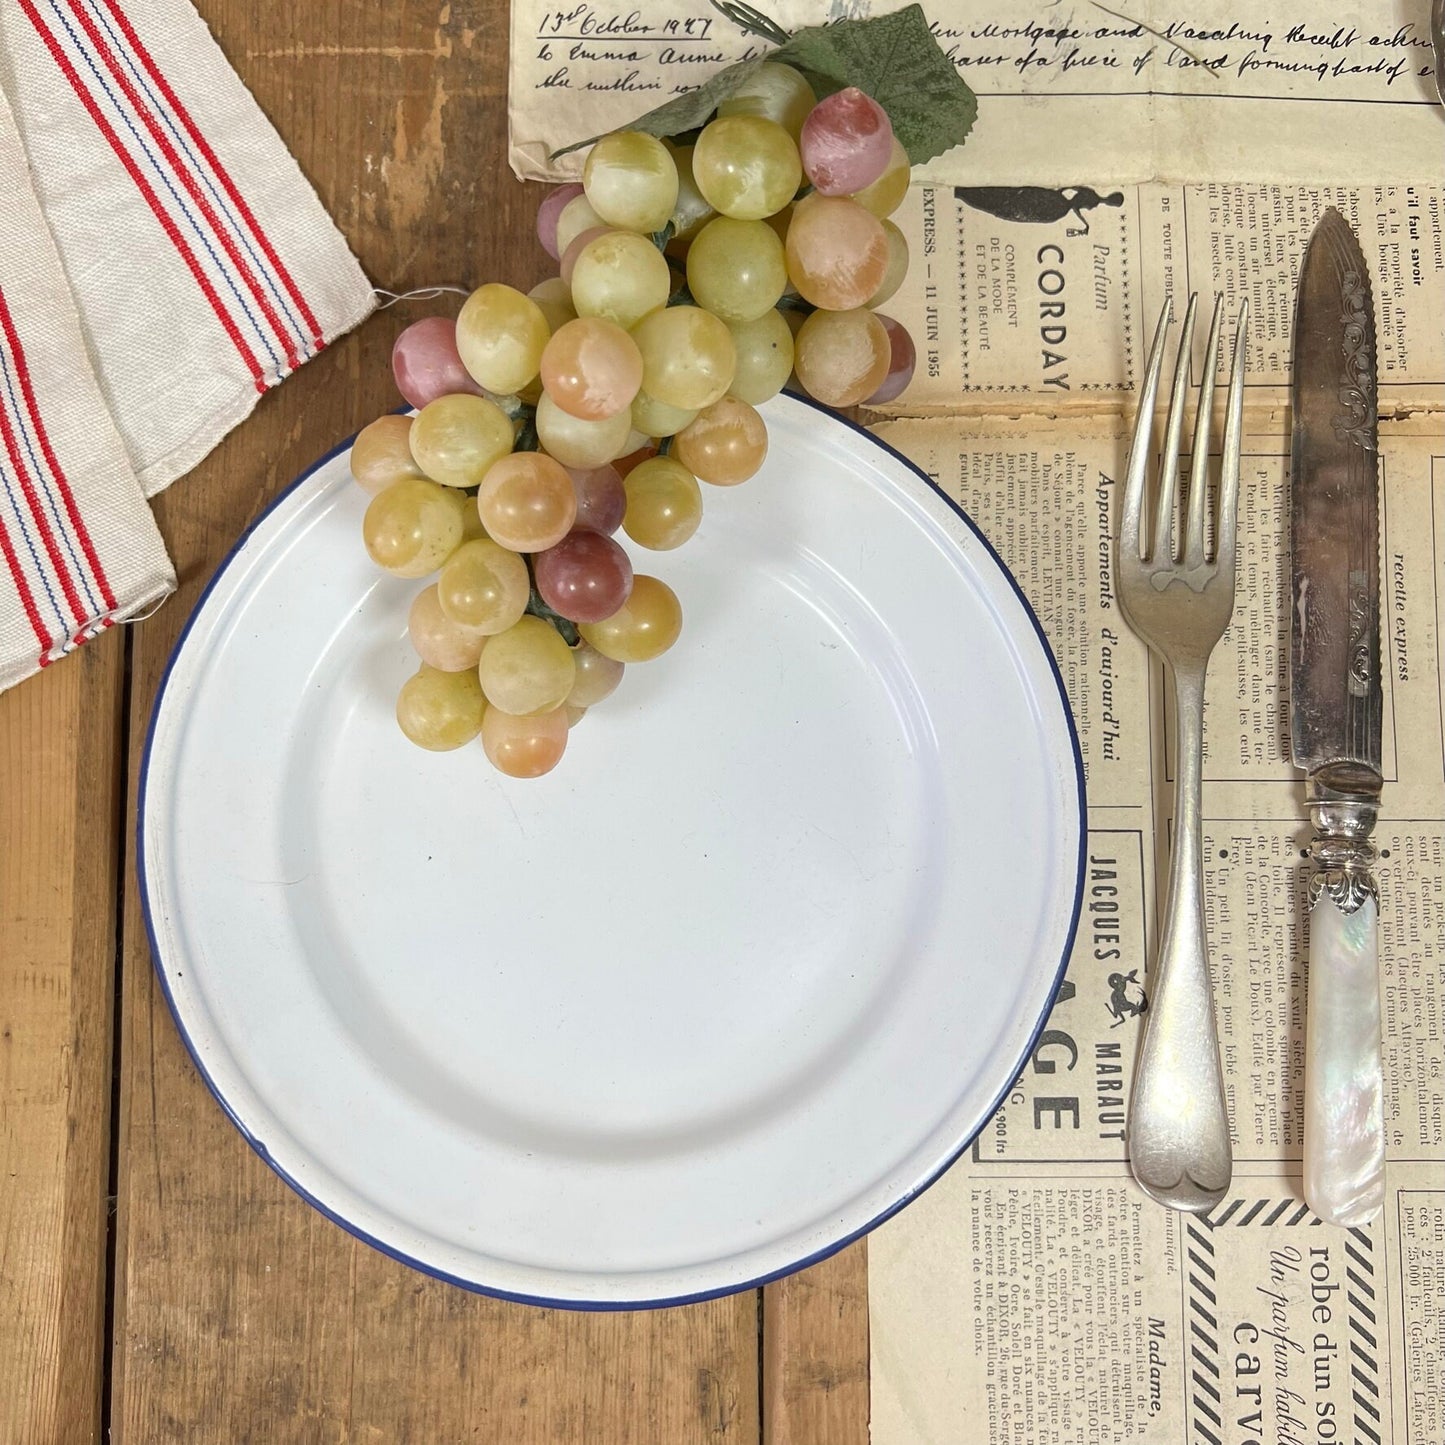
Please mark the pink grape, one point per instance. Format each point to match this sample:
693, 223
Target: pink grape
578, 246
425, 363
586, 576
591, 368
548, 212
902, 360
601, 498
846, 142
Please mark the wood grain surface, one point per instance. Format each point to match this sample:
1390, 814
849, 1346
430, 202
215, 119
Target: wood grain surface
230, 1310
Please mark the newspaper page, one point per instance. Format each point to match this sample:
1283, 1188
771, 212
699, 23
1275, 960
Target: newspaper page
1047, 299
1133, 90
1034, 1294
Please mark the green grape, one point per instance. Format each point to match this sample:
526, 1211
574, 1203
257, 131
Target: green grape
897, 265
413, 526
886, 194
527, 669
664, 504
776, 92
579, 443
656, 419
687, 356
764, 358
644, 627
736, 269
725, 445
620, 277
500, 336
484, 587
746, 167
441, 710
631, 181
455, 439
597, 676
554, 301
524, 747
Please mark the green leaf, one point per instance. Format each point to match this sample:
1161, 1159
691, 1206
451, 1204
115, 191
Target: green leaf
895, 59
685, 112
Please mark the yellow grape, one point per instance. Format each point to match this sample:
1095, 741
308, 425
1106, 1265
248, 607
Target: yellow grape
725, 445
576, 442
597, 676
527, 501
631, 180
644, 627
842, 357
413, 526
664, 504
527, 669
554, 301
592, 368
764, 358
776, 92
441, 642
886, 194
440, 710
736, 269
456, 438
897, 265
500, 336
483, 587
620, 277
837, 252
576, 216
524, 747
746, 166
687, 356
656, 419
381, 453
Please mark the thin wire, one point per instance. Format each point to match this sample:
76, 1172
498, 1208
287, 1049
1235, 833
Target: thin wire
422, 293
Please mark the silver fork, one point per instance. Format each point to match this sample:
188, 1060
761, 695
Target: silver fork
1180, 605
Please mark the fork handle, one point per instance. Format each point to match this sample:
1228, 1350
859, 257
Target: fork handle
1179, 1147
1344, 1153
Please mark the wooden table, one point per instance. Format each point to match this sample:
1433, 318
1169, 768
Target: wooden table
157, 1281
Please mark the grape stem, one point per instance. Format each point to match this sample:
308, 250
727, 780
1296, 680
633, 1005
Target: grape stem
752, 22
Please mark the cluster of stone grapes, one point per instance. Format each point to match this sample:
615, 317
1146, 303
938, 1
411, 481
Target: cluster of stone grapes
696, 281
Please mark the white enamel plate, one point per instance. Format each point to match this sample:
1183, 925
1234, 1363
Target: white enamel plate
727, 988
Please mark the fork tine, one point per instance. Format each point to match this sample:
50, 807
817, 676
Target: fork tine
1129, 540
1163, 543
1193, 548
1229, 467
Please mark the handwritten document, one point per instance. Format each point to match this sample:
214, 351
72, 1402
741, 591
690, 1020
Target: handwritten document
1034, 1294
1123, 90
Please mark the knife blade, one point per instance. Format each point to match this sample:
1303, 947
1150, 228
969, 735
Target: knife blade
1336, 709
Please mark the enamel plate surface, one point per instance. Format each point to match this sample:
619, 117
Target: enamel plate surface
724, 990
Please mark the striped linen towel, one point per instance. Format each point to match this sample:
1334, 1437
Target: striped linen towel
163, 263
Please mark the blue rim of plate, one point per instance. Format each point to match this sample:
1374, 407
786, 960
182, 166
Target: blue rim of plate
608, 1306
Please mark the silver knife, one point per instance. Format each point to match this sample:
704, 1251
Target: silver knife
1336, 707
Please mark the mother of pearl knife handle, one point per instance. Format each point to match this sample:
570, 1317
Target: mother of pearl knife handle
1344, 1149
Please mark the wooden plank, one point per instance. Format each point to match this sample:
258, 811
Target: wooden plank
815, 1354
242, 1314
60, 771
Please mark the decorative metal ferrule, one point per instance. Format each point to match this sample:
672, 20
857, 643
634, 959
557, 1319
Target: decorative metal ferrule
1342, 848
